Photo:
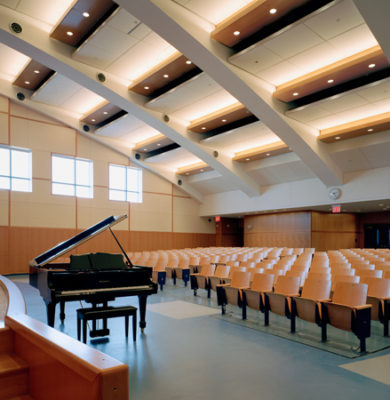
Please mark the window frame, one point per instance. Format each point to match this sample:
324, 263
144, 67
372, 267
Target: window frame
11, 177
127, 192
74, 183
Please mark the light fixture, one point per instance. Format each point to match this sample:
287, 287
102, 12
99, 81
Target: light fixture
166, 76
187, 173
105, 112
371, 65
93, 119
201, 170
295, 94
27, 82
337, 138
203, 128
188, 62
330, 80
69, 33
236, 33
273, 10
145, 149
370, 130
247, 159
85, 14
146, 87
36, 71
268, 154
224, 120
158, 144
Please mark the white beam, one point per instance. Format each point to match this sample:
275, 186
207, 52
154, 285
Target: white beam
65, 118
36, 44
191, 35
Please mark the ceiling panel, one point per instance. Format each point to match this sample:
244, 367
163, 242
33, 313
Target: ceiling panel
12, 62
121, 127
211, 182
351, 160
335, 20
174, 159
377, 154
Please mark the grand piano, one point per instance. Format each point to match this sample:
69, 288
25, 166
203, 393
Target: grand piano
96, 278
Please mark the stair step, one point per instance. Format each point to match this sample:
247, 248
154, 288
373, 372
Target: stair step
13, 376
6, 340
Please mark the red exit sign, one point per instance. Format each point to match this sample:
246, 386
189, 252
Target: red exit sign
336, 209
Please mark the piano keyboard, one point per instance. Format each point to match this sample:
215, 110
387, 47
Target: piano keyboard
93, 291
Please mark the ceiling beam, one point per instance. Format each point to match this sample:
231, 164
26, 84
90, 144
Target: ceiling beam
36, 44
67, 119
190, 34
376, 15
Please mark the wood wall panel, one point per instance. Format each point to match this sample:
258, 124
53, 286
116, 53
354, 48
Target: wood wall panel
190, 240
333, 240
279, 230
333, 222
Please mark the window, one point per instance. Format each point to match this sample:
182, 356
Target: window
72, 176
125, 183
15, 169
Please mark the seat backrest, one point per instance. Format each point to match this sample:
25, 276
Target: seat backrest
207, 269
240, 279
262, 282
300, 274
319, 275
222, 271
287, 285
344, 278
378, 287
350, 294
316, 289
371, 273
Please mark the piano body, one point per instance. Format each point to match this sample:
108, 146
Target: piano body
94, 282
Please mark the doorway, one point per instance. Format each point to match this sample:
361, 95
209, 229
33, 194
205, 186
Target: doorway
377, 236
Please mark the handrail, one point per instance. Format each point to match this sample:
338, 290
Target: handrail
16, 304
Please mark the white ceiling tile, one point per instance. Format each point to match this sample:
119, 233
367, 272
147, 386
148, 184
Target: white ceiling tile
351, 160
215, 184
354, 41
9, 3
335, 20
12, 62
123, 21
308, 113
82, 101
280, 73
121, 127
174, 159
140, 32
377, 155
293, 41
315, 58
256, 59
377, 91
92, 55
339, 103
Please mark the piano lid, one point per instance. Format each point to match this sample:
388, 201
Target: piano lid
64, 247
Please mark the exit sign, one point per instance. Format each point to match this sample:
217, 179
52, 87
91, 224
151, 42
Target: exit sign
336, 209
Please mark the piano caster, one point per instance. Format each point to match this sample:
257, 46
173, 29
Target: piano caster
142, 330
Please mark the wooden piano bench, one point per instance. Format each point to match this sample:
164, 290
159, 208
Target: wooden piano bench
95, 313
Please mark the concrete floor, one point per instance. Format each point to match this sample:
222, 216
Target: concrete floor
204, 357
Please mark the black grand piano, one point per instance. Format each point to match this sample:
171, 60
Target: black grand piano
96, 278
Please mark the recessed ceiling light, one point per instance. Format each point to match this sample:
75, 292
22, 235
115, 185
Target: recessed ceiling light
247, 159
295, 94
93, 119
166, 76
273, 10
201, 170
236, 33
380, 204
69, 33
337, 138
224, 120
268, 154
203, 128
145, 149
158, 144
146, 87
105, 112
371, 65
188, 62
36, 71
85, 14
370, 130
27, 82
187, 173
330, 80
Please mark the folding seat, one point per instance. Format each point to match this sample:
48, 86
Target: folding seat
173, 262
308, 305
194, 263
369, 273
159, 274
232, 293
230, 275
378, 295
279, 301
344, 278
254, 296
221, 273
349, 311
182, 271
319, 275
201, 280
300, 274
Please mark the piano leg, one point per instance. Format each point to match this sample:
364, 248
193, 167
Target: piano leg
142, 311
62, 311
51, 310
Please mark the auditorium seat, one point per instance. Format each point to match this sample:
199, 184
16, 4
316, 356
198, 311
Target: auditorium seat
349, 311
378, 295
201, 280
344, 278
221, 273
254, 296
308, 305
279, 301
232, 293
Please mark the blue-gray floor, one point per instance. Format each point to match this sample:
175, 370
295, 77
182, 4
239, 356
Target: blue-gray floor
209, 358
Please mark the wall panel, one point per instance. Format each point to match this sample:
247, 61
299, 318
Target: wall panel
154, 184
3, 104
3, 128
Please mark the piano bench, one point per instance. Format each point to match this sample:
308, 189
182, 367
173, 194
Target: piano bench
95, 313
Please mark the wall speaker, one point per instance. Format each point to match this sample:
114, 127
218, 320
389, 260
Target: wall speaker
166, 118
215, 153
86, 128
179, 182
137, 156
20, 96
16, 28
101, 77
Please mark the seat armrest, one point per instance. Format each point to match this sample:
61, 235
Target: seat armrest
363, 307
